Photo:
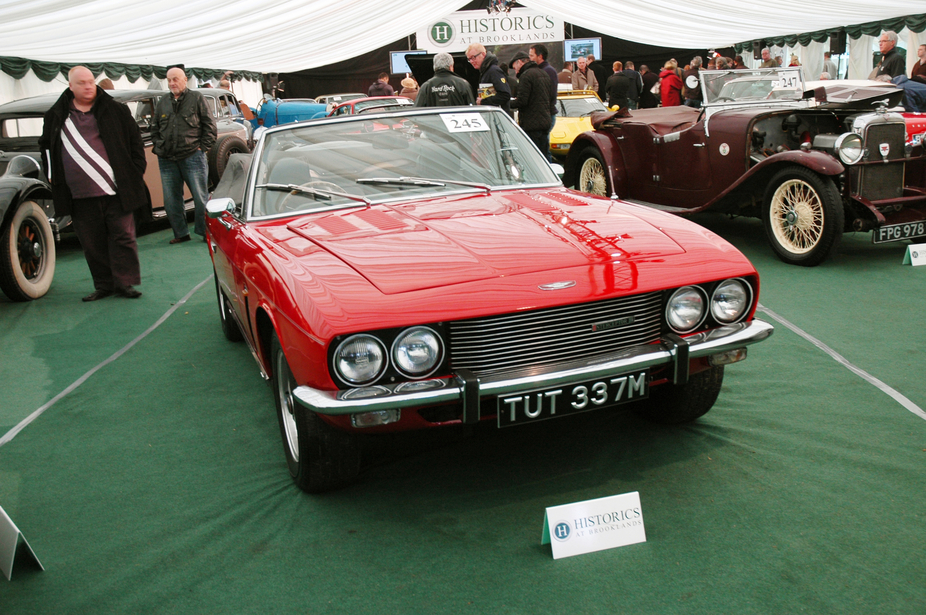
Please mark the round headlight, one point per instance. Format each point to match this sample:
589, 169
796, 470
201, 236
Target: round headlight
360, 359
730, 301
685, 309
417, 352
849, 146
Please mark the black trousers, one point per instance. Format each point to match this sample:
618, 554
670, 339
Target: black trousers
107, 235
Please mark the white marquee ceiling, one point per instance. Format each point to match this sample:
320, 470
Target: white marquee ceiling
291, 35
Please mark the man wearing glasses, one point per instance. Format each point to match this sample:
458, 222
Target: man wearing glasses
490, 73
892, 63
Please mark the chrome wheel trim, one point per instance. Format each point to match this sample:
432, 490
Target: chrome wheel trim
796, 215
287, 405
592, 178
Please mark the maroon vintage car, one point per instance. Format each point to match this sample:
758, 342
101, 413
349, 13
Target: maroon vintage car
812, 164
425, 268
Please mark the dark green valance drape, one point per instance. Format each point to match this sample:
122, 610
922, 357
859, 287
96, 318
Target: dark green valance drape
48, 71
916, 23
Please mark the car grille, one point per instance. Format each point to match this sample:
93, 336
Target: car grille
882, 181
515, 342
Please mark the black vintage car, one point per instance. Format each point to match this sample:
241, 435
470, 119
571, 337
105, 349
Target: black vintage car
29, 226
812, 161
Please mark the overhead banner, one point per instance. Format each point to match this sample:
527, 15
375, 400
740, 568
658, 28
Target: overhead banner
520, 27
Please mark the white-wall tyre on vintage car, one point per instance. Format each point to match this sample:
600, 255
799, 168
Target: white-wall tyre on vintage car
319, 457
671, 404
803, 216
27, 254
592, 176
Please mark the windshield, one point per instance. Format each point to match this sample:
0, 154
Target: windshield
385, 157
579, 107
760, 85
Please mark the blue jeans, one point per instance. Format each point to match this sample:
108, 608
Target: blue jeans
194, 172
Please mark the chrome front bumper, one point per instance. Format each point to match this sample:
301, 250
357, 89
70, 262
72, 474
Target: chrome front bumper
673, 351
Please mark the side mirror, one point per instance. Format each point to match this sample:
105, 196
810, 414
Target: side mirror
558, 169
216, 207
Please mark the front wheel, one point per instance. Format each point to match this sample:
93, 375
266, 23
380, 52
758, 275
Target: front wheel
803, 216
27, 254
671, 404
592, 176
319, 457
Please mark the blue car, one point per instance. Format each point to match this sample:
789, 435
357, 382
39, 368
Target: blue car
275, 111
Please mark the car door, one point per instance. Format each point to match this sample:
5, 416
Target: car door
683, 166
231, 245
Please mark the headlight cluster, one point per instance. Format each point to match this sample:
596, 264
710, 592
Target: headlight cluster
848, 146
362, 359
689, 306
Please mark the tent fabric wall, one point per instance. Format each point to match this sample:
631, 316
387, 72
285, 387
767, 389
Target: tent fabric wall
292, 35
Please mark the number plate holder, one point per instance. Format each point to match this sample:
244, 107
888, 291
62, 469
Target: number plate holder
552, 402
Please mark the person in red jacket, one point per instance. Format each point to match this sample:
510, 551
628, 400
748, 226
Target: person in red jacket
670, 86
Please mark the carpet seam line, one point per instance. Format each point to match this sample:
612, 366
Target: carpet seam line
74, 385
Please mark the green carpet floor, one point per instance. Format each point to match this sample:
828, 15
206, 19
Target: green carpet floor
158, 485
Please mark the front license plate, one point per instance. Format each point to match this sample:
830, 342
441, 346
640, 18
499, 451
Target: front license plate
896, 232
533, 406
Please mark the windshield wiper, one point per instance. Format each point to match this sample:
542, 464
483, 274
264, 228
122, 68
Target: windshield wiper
420, 181
317, 193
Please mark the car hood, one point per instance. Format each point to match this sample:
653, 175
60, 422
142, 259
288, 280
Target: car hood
454, 240
569, 127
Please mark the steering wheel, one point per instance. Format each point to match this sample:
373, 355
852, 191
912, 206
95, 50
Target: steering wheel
290, 202
720, 98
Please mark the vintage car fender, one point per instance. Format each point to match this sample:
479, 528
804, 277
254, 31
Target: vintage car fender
612, 157
16, 189
818, 162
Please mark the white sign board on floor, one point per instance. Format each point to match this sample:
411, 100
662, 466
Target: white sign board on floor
12, 542
916, 254
594, 525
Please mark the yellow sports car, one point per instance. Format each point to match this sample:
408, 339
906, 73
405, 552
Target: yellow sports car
572, 118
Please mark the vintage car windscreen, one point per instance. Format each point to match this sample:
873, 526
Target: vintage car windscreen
389, 157
580, 107
759, 85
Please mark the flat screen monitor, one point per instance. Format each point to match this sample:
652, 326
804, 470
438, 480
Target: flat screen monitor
397, 62
575, 48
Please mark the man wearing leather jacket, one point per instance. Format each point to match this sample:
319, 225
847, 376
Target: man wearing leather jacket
182, 132
444, 89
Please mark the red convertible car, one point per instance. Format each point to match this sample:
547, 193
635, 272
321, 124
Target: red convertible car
426, 267
812, 164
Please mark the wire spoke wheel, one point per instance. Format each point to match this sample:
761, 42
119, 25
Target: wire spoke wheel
797, 216
803, 216
592, 178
